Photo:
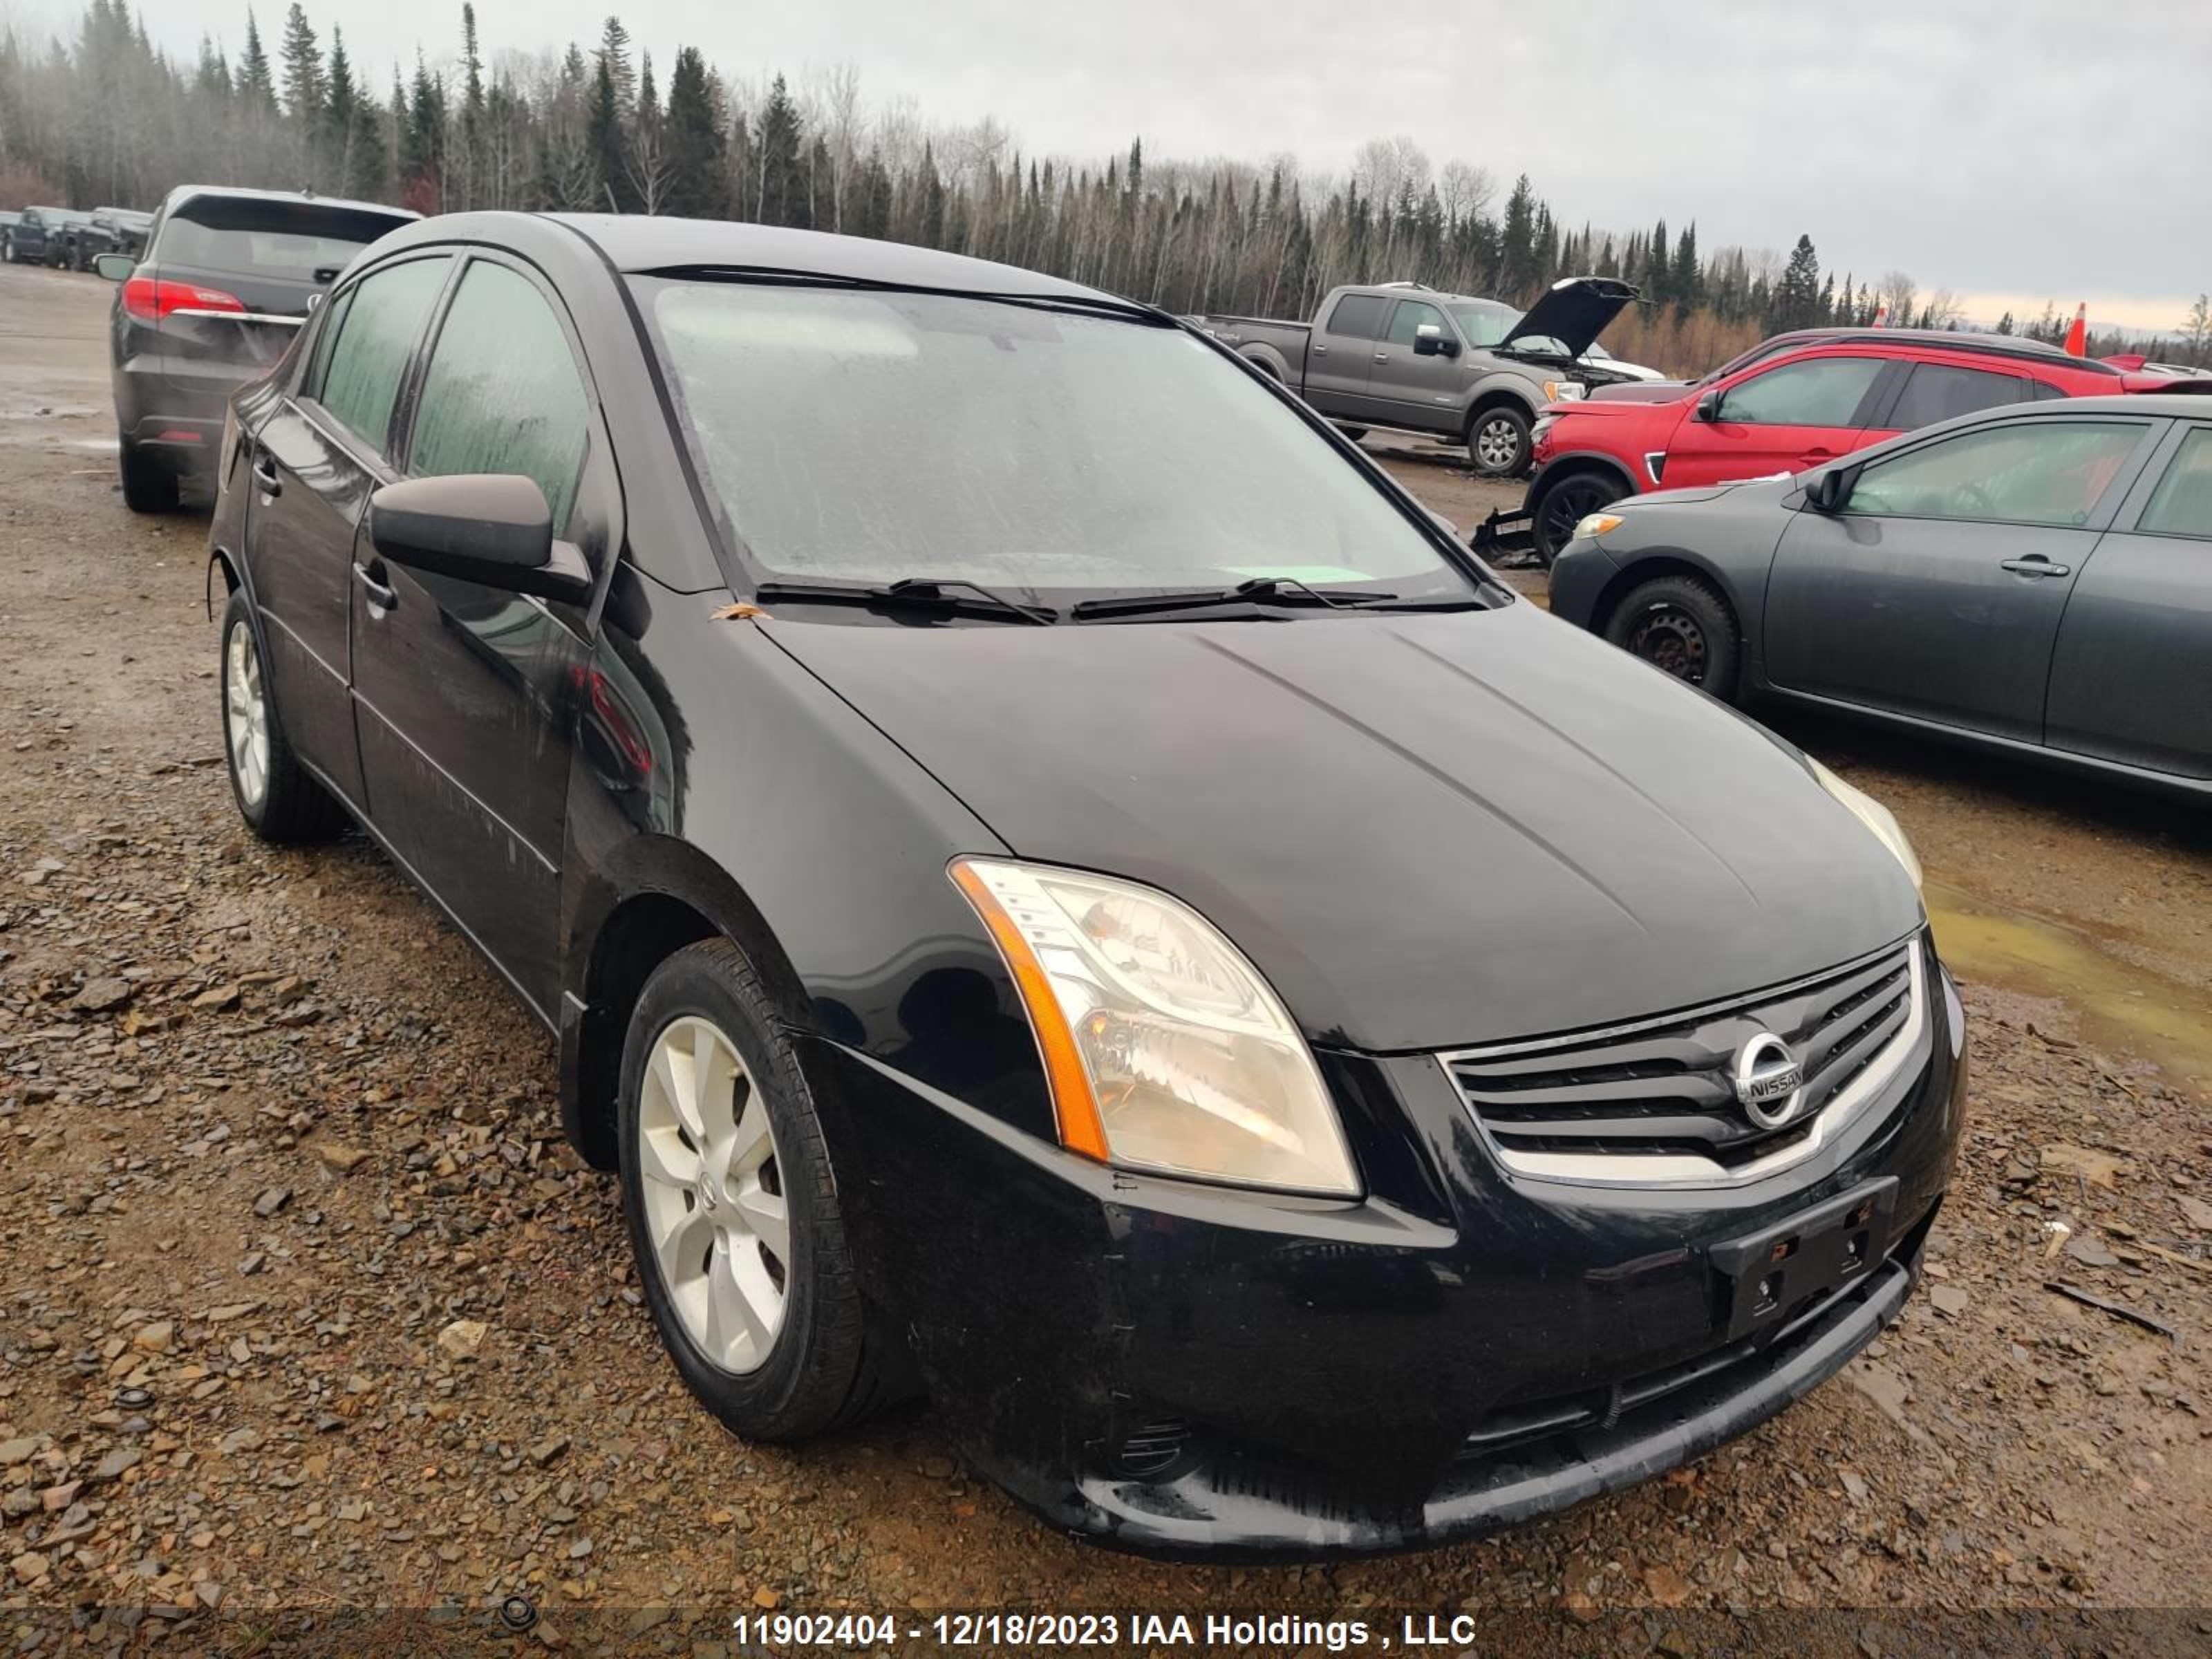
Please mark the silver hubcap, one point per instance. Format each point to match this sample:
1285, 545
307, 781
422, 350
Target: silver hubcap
1496, 442
246, 715
713, 1194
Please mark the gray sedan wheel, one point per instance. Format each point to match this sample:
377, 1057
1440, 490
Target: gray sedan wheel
1684, 626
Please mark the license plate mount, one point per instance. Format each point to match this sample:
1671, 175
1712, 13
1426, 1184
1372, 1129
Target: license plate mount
1766, 1273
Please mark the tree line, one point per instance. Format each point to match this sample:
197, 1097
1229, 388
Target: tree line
104, 117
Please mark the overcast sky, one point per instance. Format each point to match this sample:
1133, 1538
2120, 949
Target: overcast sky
2014, 151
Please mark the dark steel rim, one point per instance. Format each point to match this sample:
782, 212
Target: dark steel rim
1564, 509
1668, 636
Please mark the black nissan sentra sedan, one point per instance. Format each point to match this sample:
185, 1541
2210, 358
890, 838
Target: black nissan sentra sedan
1060, 887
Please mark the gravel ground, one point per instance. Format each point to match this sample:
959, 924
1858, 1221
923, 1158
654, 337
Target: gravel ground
304, 1304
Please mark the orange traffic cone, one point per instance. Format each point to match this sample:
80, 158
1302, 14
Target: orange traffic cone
2077, 337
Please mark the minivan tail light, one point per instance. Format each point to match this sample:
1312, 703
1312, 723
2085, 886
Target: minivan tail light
151, 298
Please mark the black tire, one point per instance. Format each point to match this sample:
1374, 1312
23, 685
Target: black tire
7, 250
150, 481
825, 1368
1354, 433
291, 806
1683, 625
1498, 441
1561, 505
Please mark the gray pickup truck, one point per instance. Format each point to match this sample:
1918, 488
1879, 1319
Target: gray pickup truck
1448, 365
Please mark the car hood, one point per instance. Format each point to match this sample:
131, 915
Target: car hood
1425, 830
1640, 391
1574, 311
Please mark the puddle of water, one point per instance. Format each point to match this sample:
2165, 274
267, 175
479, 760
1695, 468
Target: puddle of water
2123, 1007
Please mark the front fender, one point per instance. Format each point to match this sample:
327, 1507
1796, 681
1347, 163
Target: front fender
718, 773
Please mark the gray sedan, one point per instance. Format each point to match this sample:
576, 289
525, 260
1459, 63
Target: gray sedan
2037, 577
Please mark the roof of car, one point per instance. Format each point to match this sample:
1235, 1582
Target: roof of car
1946, 339
635, 243
2181, 405
191, 192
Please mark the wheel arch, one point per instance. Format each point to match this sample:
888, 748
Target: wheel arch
1500, 390
1268, 360
1671, 562
1576, 464
661, 895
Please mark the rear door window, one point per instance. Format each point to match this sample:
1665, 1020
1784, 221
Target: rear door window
2182, 503
1357, 315
298, 241
502, 393
1818, 391
384, 313
1936, 392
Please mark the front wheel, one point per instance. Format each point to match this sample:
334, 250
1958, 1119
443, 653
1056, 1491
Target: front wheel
1683, 625
1498, 441
733, 1216
1563, 504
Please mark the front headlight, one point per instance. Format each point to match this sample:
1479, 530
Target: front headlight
1165, 1048
1562, 391
1873, 814
1594, 525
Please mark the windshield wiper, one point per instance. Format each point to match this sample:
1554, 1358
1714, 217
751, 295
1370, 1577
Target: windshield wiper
948, 595
1260, 590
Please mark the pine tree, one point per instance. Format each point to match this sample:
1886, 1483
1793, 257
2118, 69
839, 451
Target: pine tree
604, 139
614, 53
696, 184
780, 195
422, 143
1686, 279
303, 70
1516, 253
1796, 298
256, 87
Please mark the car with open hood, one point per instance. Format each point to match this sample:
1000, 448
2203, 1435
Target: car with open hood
1450, 365
1058, 886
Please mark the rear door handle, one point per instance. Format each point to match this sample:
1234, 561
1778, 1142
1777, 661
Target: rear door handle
1381, 356
381, 597
1320, 351
2036, 565
264, 474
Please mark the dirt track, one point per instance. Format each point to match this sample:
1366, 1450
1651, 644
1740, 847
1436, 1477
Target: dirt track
267, 1130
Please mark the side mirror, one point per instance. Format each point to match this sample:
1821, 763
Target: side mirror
115, 266
488, 527
1828, 492
1429, 341
1708, 408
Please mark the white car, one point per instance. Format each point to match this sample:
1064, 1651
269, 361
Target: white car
1598, 357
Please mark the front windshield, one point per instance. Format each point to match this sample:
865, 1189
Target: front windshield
861, 436
1485, 322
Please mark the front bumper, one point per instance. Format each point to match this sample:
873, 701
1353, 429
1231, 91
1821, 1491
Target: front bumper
1188, 1371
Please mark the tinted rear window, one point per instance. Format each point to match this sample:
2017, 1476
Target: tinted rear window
274, 239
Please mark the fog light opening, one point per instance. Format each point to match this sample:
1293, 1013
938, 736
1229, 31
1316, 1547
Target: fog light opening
1149, 1452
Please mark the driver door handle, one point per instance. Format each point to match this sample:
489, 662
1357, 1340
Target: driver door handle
381, 597
1381, 356
2036, 565
264, 474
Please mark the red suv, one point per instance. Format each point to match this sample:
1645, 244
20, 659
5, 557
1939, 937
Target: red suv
1790, 403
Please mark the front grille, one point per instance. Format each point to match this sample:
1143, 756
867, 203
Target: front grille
1656, 1102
